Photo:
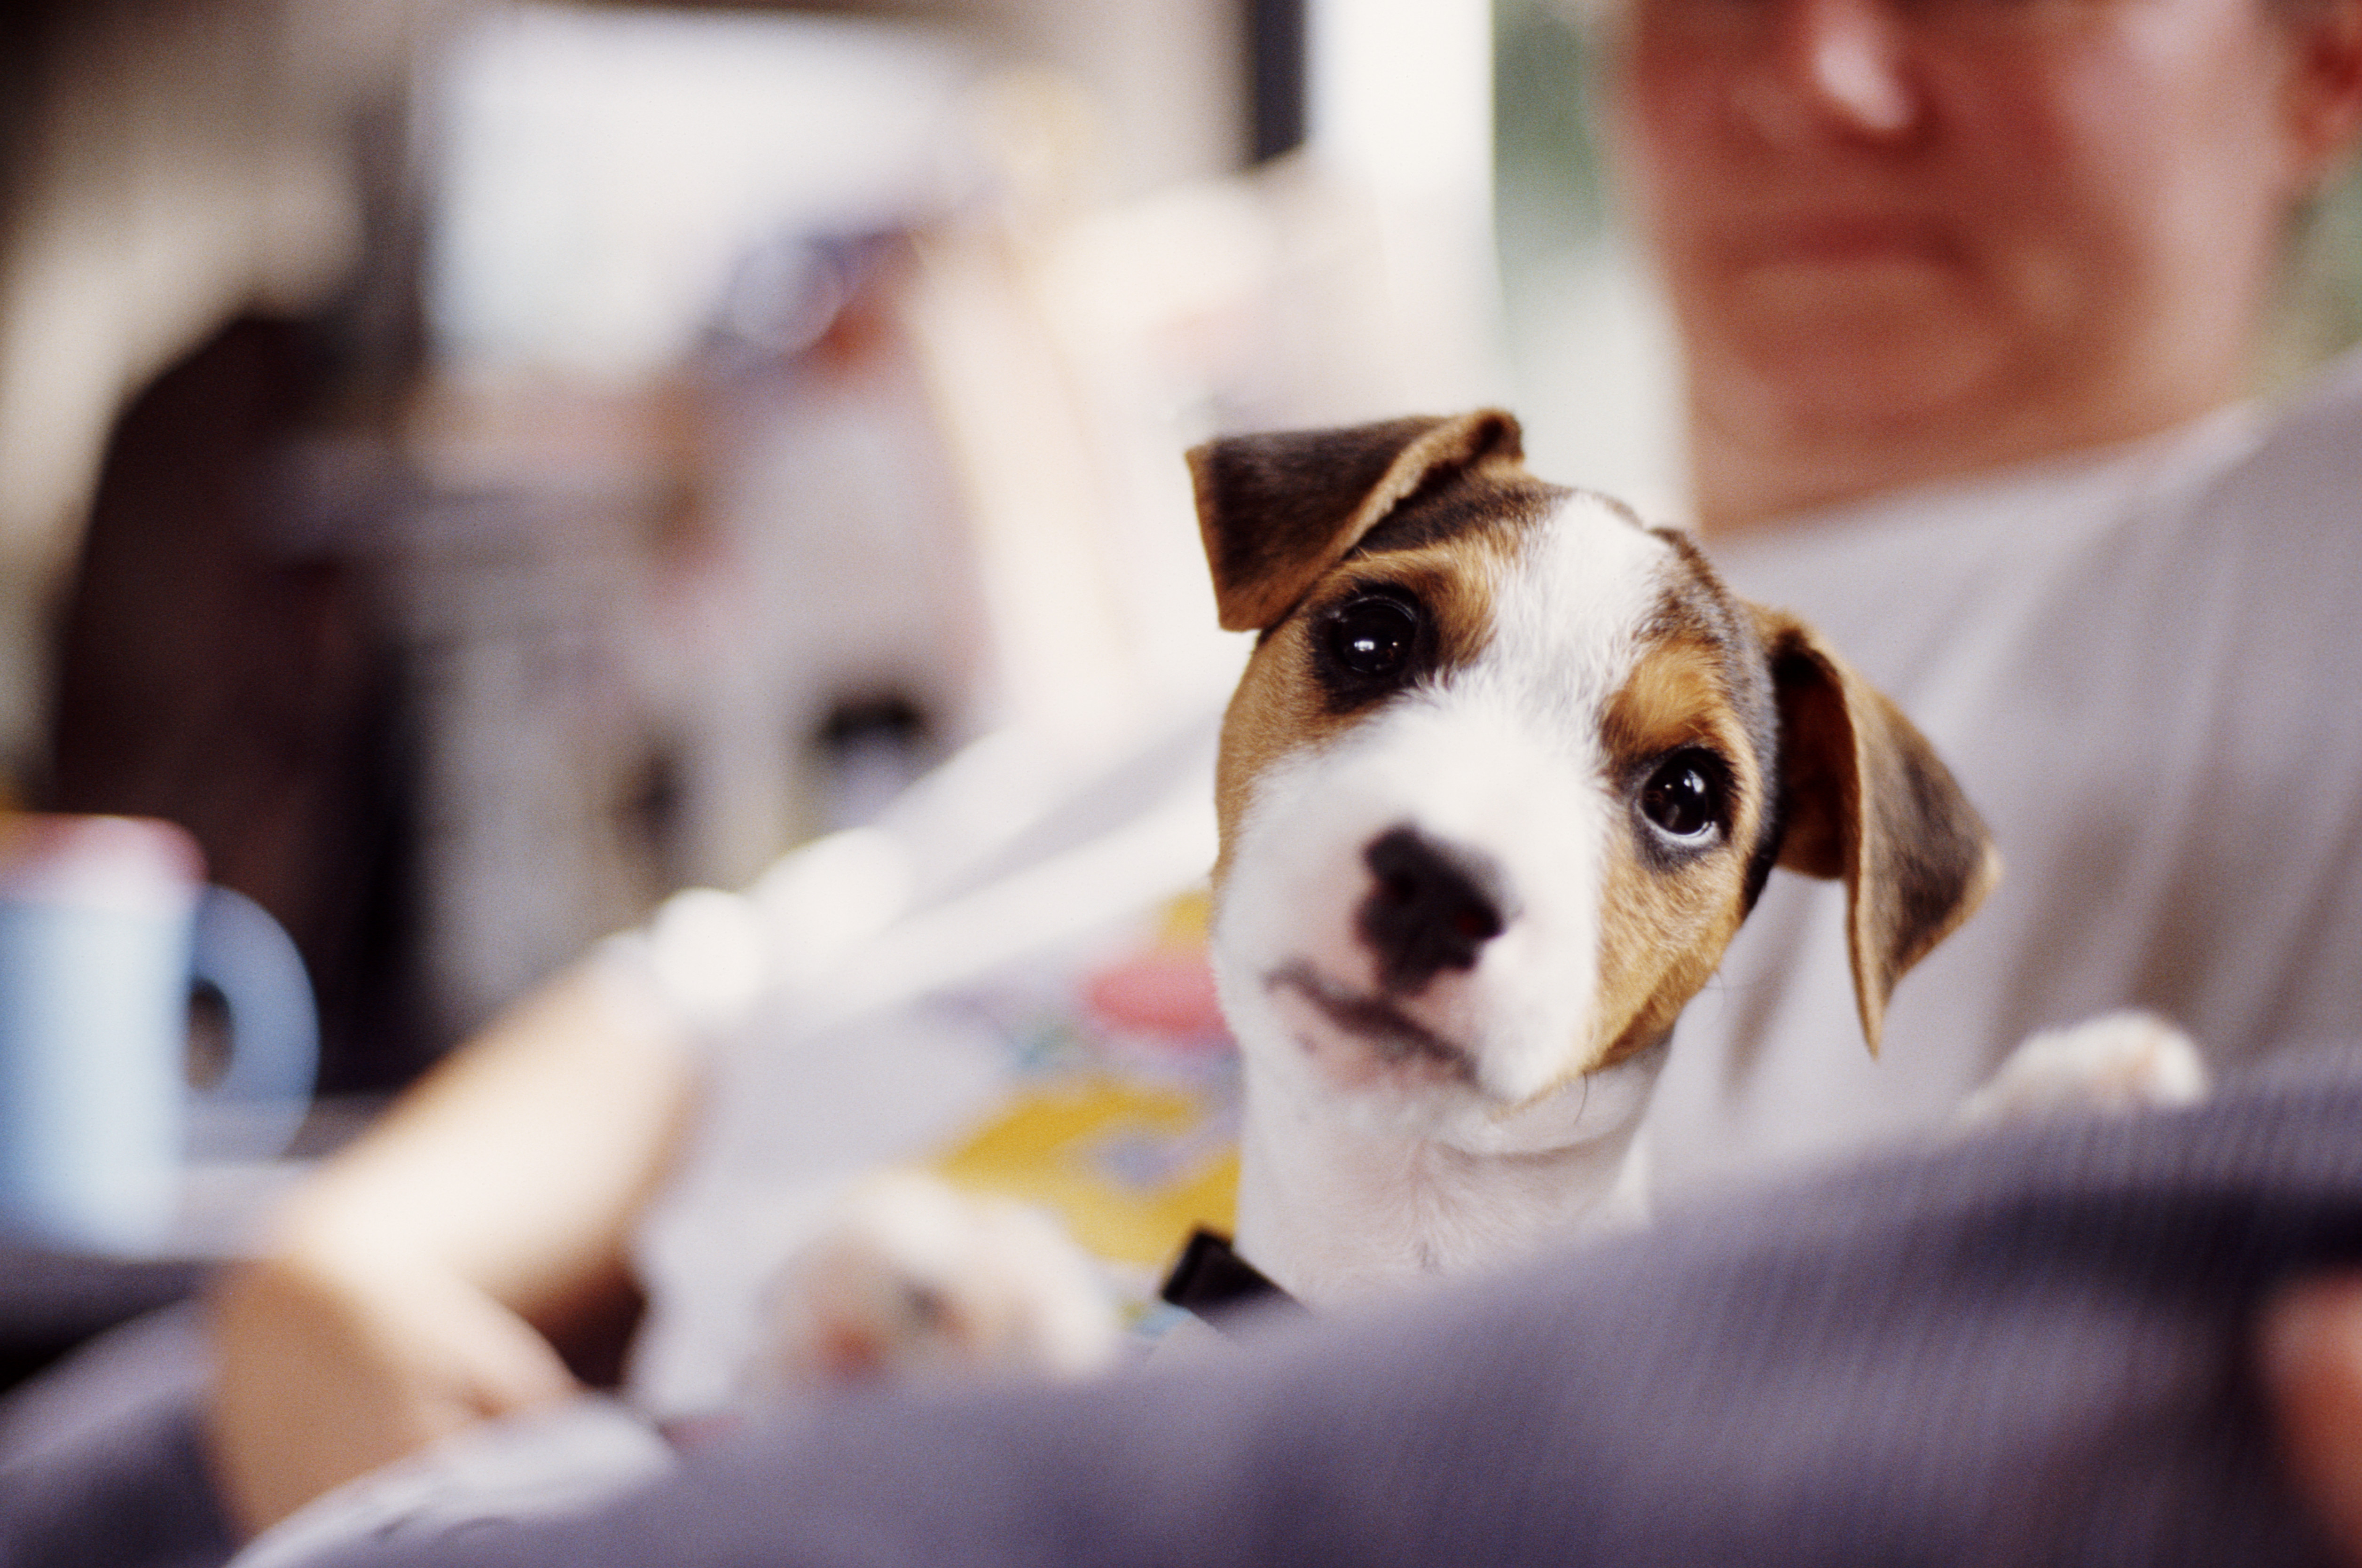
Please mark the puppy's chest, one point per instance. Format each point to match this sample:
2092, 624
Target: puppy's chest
1358, 1211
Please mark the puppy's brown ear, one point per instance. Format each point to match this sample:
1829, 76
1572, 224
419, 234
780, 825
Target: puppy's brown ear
1278, 509
1865, 798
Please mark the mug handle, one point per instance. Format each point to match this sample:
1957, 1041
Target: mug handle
253, 1109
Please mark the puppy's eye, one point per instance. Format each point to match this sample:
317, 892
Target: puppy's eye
1684, 797
1373, 637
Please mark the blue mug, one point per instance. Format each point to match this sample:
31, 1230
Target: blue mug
106, 928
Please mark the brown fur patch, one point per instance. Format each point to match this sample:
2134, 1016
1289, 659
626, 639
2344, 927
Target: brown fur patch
1678, 695
1666, 918
1487, 498
1280, 706
1661, 937
1276, 509
1868, 800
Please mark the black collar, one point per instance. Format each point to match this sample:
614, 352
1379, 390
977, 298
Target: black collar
1213, 1283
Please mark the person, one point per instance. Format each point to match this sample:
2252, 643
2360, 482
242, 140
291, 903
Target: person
1968, 294
1971, 294
1996, 265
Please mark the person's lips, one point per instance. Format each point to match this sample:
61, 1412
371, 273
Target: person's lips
1837, 240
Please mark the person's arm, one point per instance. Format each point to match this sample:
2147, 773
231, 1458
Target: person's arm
416, 1286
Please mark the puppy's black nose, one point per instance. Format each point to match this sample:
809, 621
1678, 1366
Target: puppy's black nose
1433, 908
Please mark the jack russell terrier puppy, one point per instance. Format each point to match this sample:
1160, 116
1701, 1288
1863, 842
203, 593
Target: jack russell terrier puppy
1505, 773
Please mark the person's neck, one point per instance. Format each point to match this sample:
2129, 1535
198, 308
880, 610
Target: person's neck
1749, 481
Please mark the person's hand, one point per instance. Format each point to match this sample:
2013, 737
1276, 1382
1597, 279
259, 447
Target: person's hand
2312, 1366
328, 1365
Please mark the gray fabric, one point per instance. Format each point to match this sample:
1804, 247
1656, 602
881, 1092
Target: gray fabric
100, 1459
2031, 1348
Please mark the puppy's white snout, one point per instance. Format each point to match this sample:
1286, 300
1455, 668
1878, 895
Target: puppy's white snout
1432, 906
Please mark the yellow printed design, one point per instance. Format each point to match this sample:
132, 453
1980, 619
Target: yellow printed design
1187, 921
1131, 1167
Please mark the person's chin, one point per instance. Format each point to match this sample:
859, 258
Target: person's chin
1892, 350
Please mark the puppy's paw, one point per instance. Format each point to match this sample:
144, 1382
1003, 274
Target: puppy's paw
917, 1279
2118, 1061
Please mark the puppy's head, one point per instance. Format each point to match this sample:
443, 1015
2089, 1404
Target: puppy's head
1508, 768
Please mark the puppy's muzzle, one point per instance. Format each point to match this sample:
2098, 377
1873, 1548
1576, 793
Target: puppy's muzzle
1431, 907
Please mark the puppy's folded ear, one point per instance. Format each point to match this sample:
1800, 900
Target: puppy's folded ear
1865, 798
1278, 509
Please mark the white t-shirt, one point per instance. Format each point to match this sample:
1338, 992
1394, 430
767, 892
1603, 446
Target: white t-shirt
2145, 667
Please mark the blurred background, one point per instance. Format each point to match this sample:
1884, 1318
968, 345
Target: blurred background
484, 466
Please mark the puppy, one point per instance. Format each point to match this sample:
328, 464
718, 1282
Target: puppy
1503, 775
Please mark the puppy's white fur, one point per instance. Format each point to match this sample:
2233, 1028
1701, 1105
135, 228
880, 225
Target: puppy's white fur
2128, 1060
1502, 760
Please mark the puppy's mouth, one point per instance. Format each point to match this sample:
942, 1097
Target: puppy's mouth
1394, 1037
